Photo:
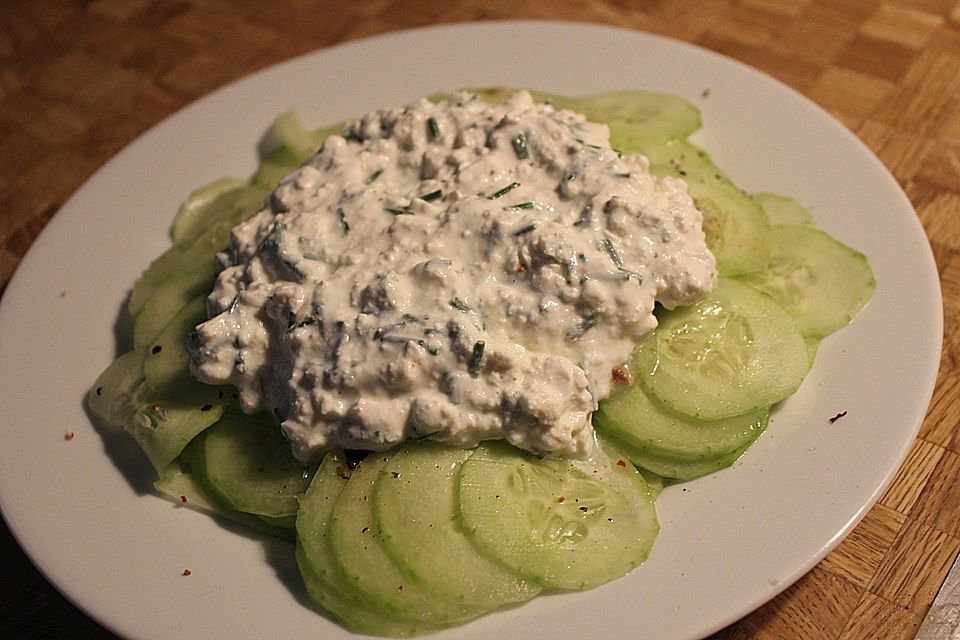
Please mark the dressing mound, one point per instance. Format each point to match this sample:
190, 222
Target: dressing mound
458, 271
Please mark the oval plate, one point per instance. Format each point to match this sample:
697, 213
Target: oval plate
82, 508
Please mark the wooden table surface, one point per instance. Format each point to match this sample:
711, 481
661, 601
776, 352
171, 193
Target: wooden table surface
81, 79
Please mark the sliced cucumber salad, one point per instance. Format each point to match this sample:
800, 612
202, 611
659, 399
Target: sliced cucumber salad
426, 535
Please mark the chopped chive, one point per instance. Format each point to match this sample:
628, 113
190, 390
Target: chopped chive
612, 251
373, 176
520, 146
433, 195
570, 176
234, 303
623, 175
523, 230
399, 211
316, 313
353, 135
520, 205
618, 260
585, 325
569, 267
507, 189
343, 220
460, 305
476, 359
433, 127
585, 216
402, 340
381, 332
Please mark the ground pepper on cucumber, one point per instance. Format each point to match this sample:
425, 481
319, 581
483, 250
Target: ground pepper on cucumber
424, 534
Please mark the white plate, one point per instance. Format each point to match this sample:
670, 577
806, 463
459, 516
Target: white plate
81, 510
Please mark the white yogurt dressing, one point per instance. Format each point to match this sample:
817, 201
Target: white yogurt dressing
454, 270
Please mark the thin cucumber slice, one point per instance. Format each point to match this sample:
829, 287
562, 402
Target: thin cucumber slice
180, 486
813, 345
166, 365
357, 541
287, 130
192, 216
735, 226
631, 416
632, 116
162, 427
562, 523
784, 210
820, 281
680, 470
186, 270
321, 574
416, 503
655, 482
250, 467
190, 275
291, 146
734, 352
278, 164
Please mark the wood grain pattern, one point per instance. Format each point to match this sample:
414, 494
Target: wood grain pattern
81, 79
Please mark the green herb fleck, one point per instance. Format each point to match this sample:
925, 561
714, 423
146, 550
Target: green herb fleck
433, 127
524, 230
507, 189
343, 220
608, 245
519, 205
239, 364
402, 340
611, 250
399, 211
373, 176
476, 359
520, 146
460, 305
577, 332
433, 195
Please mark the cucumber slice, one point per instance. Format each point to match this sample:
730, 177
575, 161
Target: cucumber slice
813, 345
192, 217
321, 574
784, 210
655, 481
734, 352
631, 416
181, 487
287, 130
291, 146
166, 365
187, 270
736, 228
357, 541
562, 523
250, 468
162, 427
278, 164
680, 470
188, 274
632, 116
416, 503
820, 281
